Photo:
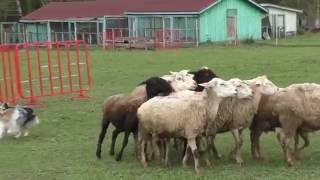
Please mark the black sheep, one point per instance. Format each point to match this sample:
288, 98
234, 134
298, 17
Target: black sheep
202, 76
121, 111
156, 86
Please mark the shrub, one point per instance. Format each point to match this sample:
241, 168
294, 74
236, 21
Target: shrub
248, 41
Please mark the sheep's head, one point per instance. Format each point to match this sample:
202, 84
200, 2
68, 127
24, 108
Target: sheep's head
263, 85
181, 80
220, 87
243, 89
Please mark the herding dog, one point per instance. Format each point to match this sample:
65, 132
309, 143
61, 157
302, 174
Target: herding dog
16, 120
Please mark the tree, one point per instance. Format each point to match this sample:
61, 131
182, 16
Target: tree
19, 9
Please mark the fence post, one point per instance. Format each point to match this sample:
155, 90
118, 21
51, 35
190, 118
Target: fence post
4, 71
39, 71
113, 40
18, 73
12, 87
11, 77
5, 38
197, 33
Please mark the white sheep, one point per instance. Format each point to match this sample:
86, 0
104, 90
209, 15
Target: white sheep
235, 114
298, 110
172, 116
121, 109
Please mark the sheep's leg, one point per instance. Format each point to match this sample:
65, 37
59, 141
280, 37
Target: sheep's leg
236, 151
115, 134
298, 150
124, 144
194, 150
142, 152
296, 147
186, 156
136, 146
155, 145
103, 132
284, 136
205, 156
149, 150
214, 149
175, 143
184, 147
287, 150
255, 144
167, 144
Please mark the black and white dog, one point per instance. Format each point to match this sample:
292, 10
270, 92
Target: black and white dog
16, 120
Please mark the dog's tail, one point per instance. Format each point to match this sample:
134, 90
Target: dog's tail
33, 120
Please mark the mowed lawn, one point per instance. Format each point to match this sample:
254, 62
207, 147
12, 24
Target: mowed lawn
63, 145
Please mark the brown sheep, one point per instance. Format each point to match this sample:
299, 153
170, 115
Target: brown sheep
298, 110
263, 122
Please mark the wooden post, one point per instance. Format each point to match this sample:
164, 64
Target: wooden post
104, 32
5, 38
62, 31
69, 31
171, 27
186, 30
197, 33
75, 31
163, 32
276, 23
1, 33
98, 34
129, 27
48, 31
113, 42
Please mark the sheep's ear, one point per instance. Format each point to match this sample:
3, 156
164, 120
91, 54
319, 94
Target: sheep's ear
185, 71
204, 67
173, 73
204, 84
247, 81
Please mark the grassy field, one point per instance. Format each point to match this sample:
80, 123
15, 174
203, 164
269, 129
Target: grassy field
63, 145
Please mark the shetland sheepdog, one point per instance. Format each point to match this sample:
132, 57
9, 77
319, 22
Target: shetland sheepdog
16, 120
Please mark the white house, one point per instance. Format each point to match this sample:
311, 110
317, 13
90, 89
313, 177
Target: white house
281, 20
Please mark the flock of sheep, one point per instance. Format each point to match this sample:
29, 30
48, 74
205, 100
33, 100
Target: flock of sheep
192, 107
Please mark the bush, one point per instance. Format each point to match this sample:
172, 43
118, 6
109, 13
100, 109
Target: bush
300, 31
248, 41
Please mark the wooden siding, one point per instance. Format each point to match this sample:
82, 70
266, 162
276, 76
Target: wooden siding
213, 22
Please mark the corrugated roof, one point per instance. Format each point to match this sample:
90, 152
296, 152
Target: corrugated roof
83, 9
268, 5
172, 6
100, 8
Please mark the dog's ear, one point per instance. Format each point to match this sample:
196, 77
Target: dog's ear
6, 106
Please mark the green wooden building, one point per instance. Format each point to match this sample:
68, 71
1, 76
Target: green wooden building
200, 20
195, 21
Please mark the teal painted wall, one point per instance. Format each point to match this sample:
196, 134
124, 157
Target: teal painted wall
37, 32
213, 22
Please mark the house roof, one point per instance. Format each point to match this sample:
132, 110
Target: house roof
90, 10
79, 10
268, 5
172, 6
179, 6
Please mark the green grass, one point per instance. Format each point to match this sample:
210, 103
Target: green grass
63, 145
